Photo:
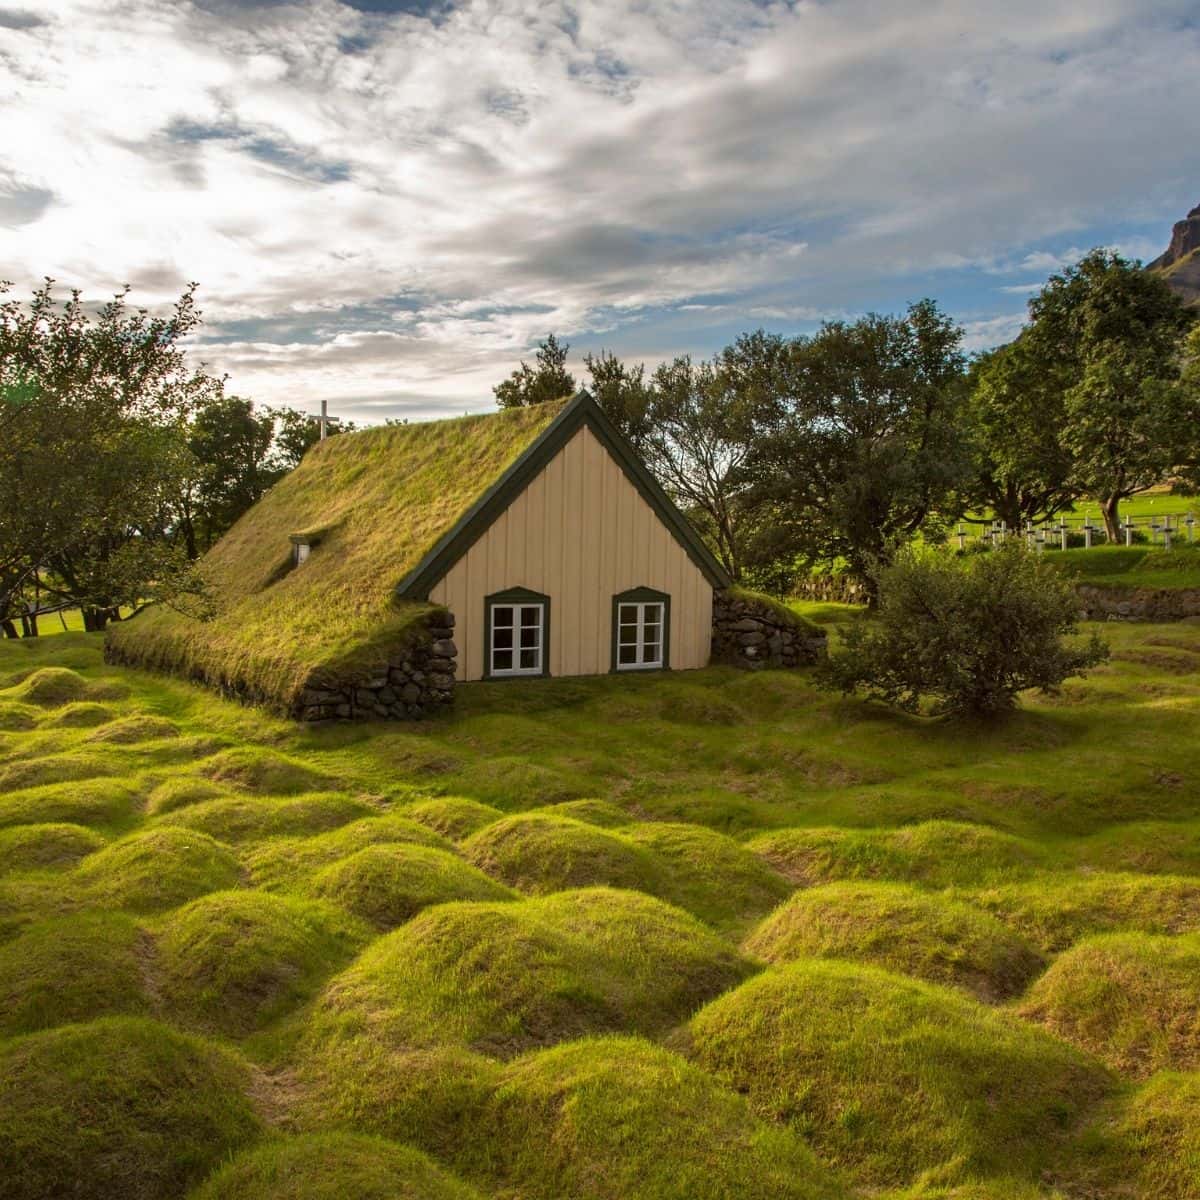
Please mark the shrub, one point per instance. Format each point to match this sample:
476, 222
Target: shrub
1131, 999
118, 1107
333, 1166
968, 634
896, 926
617, 1116
891, 1077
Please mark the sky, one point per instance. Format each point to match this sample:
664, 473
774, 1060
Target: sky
388, 203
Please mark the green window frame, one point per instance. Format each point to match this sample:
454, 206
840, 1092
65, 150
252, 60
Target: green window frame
516, 634
641, 630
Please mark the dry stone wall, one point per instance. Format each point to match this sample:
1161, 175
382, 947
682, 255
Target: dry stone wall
753, 634
418, 684
1137, 604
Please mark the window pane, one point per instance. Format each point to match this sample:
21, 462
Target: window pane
627, 613
653, 612
531, 614
651, 631
529, 660
502, 660
502, 639
628, 635
531, 637
502, 615
650, 653
627, 656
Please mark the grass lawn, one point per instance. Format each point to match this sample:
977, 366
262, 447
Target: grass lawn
695, 936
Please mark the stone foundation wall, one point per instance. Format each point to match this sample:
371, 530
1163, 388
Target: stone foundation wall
752, 634
1137, 604
417, 685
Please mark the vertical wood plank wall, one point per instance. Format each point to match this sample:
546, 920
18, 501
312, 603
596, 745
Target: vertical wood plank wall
580, 533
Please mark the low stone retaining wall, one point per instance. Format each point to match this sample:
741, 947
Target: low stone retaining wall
1137, 604
835, 589
753, 634
419, 684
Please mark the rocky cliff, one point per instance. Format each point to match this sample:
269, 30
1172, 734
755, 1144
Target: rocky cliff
1180, 264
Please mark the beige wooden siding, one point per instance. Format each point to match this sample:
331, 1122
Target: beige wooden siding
580, 533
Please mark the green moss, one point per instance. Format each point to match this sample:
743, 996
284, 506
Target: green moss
387, 885
284, 862
244, 818
710, 874
73, 969
383, 497
1055, 910
500, 978
1131, 999
776, 609
17, 717
104, 803
233, 962
455, 817
903, 929
131, 730
156, 870
609, 1117
44, 847
539, 853
254, 769
119, 1107
891, 1077
333, 1166
82, 714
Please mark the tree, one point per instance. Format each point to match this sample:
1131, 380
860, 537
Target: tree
863, 448
622, 392
969, 634
1108, 333
296, 433
1021, 469
92, 449
548, 380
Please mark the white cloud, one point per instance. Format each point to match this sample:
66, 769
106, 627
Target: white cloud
388, 206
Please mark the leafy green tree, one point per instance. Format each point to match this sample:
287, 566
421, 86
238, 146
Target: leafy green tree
547, 380
1108, 333
623, 392
966, 634
296, 433
864, 447
1014, 414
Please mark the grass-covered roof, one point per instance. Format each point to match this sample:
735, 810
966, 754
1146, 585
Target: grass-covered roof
373, 504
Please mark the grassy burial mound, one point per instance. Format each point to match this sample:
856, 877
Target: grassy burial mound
249, 818
502, 978
117, 1107
333, 1166
904, 929
233, 962
373, 504
48, 846
1131, 999
618, 1117
890, 1077
454, 817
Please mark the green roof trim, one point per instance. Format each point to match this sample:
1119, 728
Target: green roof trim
580, 411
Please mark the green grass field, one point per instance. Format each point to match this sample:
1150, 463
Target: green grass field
700, 936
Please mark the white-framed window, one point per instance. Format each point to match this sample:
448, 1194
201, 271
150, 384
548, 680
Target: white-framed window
641, 634
300, 553
517, 637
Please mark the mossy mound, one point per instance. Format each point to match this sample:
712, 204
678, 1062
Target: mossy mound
709, 874
73, 969
1148, 847
387, 885
1131, 999
45, 847
157, 869
594, 812
333, 1166
245, 818
1146, 1146
72, 767
538, 853
82, 714
118, 1107
891, 1077
432, 1098
181, 790
502, 978
232, 962
50, 687
99, 802
254, 769
284, 862
129, 731
1055, 910
29, 897
903, 929
455, 817
16, 717
931, 853
617, 1116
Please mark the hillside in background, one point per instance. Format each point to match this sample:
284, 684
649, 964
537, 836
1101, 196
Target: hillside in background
1179, 264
